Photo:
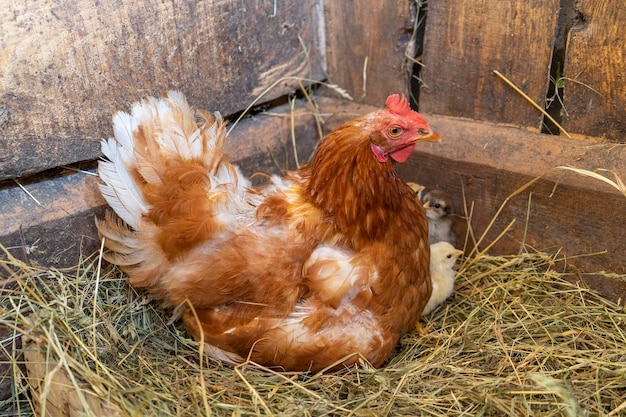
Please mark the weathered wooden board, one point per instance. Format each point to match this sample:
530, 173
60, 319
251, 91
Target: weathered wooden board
560, 219
365, 47
567, 210
62, 227
66, 67
595, 72
466, 41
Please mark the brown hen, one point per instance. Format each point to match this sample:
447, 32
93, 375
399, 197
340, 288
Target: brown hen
322, 267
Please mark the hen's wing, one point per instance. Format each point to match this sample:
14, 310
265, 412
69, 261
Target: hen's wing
328, 321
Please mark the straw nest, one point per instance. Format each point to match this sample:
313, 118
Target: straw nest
515, 339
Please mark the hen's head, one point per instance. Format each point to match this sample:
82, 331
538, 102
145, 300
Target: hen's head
397, 129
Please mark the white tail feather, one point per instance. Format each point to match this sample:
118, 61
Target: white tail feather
123, 127
118, 189
169, 126
195, 144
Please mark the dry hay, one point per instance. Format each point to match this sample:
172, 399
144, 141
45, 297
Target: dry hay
515, 339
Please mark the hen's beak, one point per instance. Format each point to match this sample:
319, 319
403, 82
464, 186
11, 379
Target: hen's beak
433, 137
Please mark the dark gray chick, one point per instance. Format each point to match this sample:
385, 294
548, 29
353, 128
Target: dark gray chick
440, 215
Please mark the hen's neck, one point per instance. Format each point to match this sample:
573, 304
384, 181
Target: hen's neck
360, 195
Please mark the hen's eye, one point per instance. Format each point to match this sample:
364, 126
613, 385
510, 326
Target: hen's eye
395, 131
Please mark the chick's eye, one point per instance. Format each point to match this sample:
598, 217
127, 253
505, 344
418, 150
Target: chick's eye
394, 131
449, 256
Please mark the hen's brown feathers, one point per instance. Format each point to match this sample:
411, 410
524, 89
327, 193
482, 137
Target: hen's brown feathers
328, 263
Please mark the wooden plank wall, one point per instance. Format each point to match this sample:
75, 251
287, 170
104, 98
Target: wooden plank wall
464, 43
68, 66
365, 47
467, 40
595, 72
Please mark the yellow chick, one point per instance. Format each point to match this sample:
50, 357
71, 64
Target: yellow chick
417, 188
443, 256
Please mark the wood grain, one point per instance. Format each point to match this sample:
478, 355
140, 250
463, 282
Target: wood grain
466, 41
66, 67
568, 213
365, 47
595, 71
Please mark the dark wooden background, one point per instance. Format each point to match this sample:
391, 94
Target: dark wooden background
67, 67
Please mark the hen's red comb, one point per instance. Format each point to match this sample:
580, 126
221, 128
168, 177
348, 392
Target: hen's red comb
398, 104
